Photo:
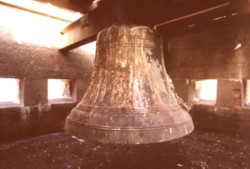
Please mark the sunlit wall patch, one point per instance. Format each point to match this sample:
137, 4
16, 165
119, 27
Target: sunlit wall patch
247, 92
59, 89
9, 90
205, 90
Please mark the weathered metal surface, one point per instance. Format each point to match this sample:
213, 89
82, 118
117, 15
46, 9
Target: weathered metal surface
131, 99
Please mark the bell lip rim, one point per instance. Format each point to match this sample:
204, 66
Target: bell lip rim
122, 141
113, 128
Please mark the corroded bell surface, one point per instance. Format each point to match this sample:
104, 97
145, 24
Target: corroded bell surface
130, 99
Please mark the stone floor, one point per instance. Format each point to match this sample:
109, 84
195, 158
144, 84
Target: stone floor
199, 150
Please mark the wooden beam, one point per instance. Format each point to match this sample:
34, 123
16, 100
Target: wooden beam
85, 30
199, 23
194, 14
152, 13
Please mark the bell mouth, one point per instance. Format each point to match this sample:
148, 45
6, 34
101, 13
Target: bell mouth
129, 136
131, 98
122, 127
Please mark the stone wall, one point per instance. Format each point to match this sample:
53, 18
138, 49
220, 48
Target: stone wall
34, 64
220, 53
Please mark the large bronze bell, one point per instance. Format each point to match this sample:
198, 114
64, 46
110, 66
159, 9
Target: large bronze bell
131, 99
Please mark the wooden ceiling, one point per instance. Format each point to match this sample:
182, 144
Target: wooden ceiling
170, 17
141, 11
